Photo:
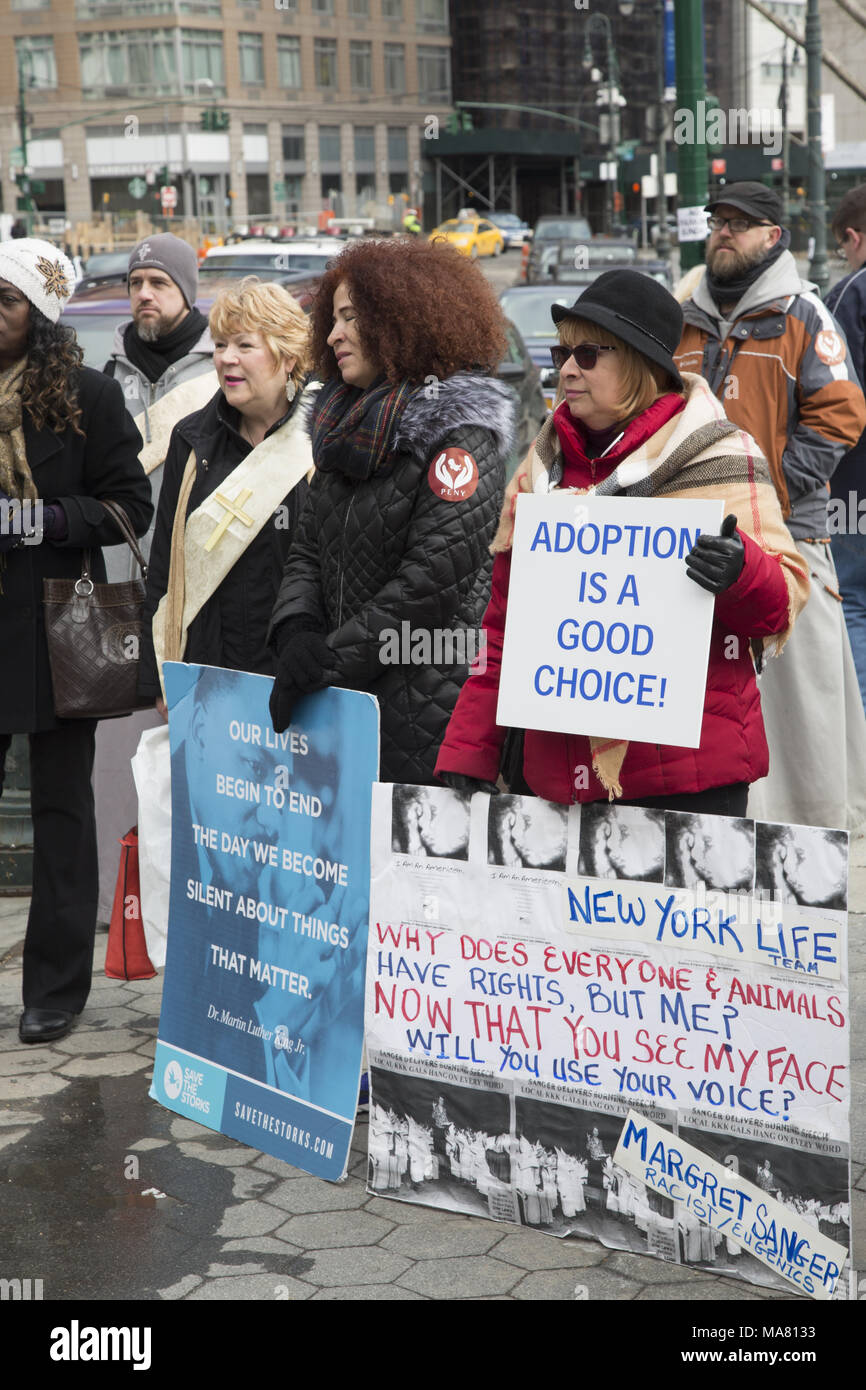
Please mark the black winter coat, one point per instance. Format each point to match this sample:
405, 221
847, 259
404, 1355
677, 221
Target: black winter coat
388, 555
231, 628
75, 471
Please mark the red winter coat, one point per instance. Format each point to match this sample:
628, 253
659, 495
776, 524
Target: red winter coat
733, 747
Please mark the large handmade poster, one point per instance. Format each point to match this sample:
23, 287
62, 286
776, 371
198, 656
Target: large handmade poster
261, 1029
541, 977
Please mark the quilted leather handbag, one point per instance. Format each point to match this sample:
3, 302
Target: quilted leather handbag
93, 633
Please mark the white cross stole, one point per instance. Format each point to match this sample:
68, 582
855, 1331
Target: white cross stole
267, 475
160, 418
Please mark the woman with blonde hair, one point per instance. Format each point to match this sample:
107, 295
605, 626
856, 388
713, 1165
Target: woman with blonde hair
630, 425
235, 482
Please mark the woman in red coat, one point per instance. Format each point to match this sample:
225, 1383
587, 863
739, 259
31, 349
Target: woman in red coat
623, 397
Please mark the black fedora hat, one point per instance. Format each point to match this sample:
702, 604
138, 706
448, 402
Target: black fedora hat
637, 309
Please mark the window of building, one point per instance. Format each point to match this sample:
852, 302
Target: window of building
293, 144
202, 53
97, 9
325, 64
398, 145
392, 9
31, 4
365, 145
361, 66
252, 60
434, 74
431, 16
395, 68
359, 9
329, 144
322, 6
289, 61
137, 62
34, 56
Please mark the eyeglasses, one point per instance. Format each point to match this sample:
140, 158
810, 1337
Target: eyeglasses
585, 355
736, 224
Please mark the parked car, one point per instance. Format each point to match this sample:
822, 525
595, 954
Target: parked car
528, 308
96, 313
104, 268
254, 255
518, 370
474, 236
515, 231
550, 237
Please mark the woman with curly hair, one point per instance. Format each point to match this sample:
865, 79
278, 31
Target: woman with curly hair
387, 579
66, 441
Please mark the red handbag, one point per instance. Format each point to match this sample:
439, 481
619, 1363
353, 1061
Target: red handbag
126, 957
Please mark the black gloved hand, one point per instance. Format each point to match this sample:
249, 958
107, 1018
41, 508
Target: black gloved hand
459, 782
716, 562
305, 664
304, 661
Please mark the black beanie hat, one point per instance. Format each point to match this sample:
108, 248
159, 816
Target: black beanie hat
637, 309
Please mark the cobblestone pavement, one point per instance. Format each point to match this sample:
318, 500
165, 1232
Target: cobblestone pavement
107, 1195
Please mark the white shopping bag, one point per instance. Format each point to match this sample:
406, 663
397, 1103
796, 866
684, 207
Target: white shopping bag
151, 768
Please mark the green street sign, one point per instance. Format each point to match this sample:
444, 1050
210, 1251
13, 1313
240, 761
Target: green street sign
279, 191
137, 188
16, 156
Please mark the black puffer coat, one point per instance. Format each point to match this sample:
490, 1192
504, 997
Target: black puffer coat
231, 628
374, 555
75, 470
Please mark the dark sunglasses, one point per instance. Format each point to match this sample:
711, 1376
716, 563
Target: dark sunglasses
585, 355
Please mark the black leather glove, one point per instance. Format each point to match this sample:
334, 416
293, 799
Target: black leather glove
305, 664
459, 782
304, 661
716, 562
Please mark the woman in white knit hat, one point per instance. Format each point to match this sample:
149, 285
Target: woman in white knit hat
66, 440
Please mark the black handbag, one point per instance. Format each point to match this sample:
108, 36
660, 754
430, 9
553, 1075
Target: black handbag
93, 633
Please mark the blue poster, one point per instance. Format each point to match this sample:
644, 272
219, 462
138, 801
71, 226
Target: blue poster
262, 1022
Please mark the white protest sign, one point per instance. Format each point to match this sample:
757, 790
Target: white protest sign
692, 224
605, 633
774, 1232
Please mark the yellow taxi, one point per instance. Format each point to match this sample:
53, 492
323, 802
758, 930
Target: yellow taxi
472, 235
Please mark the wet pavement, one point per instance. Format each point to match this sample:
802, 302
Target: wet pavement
106, 1195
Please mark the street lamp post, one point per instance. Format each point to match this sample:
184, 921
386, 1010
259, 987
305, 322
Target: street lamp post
601, 21
817, 205
663, 243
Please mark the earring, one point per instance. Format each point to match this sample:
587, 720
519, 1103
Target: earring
291, 390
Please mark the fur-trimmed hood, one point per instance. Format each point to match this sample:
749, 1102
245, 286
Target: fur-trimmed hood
439, 408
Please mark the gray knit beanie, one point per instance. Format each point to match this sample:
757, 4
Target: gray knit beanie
177, 258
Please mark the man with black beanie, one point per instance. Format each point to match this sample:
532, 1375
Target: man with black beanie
774, 355
163, 359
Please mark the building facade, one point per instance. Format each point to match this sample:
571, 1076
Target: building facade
258, 109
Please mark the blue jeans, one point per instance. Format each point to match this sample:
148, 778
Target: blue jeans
849, 554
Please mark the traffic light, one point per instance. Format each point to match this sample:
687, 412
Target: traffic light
214, 119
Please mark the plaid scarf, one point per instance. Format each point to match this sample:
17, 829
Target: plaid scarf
352, 429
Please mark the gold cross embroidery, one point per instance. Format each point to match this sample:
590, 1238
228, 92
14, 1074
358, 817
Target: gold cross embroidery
233, 508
